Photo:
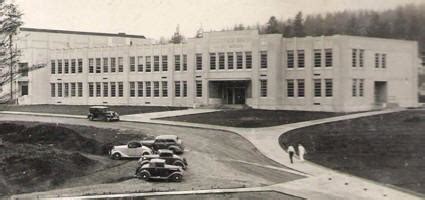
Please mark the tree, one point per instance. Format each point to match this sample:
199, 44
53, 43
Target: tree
272, 25
177, 37
299, 25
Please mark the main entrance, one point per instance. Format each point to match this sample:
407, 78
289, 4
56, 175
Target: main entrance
230, 92
235, 95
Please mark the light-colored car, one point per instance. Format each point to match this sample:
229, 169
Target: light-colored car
170, 142
133, 149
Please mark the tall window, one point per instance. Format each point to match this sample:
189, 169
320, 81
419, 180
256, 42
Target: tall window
140, 88
65, 89
361, 57
198, 88
263, 88
301, 58
156, 63
132, 89
73, 87
73, 66
148, 64
98, 89
52, 89
230, 60
148, 89
184, 88
317, 87
328, 57
176, 62
80, 65
120, 89
132, 62
354, 88
60, 89
80, 89
53, 67
376, 60
140, 63
98, 69
177, 88
156, 88
59, 66
384, 60
212, 61
113, 89
164, 63
120, 64
198, 58
239, 60
66, 66
105, 65
290, 58
91, 89
361, 87
220, 60
164, 85
185, 62
263, 59
105, 89
317, 58
328, 88
248, 60
113, 65
301, 87
290, 88
354, 57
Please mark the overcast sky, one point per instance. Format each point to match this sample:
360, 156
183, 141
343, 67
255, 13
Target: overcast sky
156, 18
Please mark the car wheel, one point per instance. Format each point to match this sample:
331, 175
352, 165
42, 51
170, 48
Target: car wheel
107, 119
116, 156
145, 153
144, 175
91, 118
177, 177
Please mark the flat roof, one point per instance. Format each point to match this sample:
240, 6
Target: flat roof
81, 33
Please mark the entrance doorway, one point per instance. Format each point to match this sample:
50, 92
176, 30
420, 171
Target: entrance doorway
235, 95
230, 92
380, 91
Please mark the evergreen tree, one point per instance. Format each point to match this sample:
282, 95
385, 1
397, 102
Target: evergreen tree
272, 25
177, 37
299, 25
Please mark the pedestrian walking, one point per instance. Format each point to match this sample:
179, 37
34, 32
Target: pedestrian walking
291, 152
301, 151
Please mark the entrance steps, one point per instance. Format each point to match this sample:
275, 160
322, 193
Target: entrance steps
226, 106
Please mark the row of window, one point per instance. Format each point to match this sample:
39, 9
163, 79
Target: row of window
73, 89
66, 66
232, 60
357, 58
296, 87
297, 58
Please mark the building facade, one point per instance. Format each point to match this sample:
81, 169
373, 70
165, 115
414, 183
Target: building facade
334, 73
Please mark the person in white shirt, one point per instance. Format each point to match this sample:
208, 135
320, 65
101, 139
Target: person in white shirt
301, 151
291, 152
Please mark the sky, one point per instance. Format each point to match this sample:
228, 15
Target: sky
156, 18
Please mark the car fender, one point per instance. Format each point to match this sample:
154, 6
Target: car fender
181, 162
118, 151
175, 148
172, 174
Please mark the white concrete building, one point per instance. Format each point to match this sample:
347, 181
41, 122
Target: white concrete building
333, 73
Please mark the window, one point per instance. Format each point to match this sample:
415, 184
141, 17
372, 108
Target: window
148, 89
164, 63
290, 59
120, 64
317, 87
80, 89
156, 88
105, 65
354, 88
328, 57
328, 88
220, 60
91, 89
52, 89
113, 89
184, 62
239, 60
105, 89
384, 60
184, 88
248, 60
301, 58
263, 88
230, 60
212, 61
73, 66
177, 88
317, 58
140, 88
120, 89
113, 65
156, 63
59, 66
66, 66
354, 57
65, 89
290, 88
376, 60
80, 65
148, 63
132, 89
98, 69
301, 87
198, 61
198, 88
52, 67
361, 57
140, 63
73, 89
98, 89
361, 87
263, 59
59, 89
177, 62
164, 85
23, 69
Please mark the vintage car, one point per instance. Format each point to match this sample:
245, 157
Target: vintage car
157, 169
170, 142
167, 155
102, 113
133, 149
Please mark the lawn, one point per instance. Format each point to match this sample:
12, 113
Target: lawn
83, 109
386, 148
252, 118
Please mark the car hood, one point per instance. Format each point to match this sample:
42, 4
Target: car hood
121, 147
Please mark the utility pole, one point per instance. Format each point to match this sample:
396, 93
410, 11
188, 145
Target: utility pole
11, 68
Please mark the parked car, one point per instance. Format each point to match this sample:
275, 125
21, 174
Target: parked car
167, 155
157, 169
133, 149
102, 113
170, 142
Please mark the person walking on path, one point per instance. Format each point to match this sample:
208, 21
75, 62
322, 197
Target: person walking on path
301, 151
291, 152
